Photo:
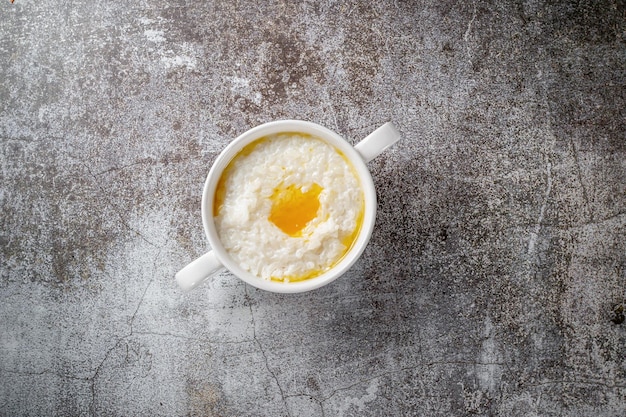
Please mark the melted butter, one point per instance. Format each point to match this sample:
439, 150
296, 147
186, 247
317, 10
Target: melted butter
220, 194
295, 278
292, 208
347, 241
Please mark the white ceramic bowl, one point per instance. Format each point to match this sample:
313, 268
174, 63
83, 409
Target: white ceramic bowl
217, 259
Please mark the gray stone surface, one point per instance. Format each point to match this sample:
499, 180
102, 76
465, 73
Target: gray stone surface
491, 281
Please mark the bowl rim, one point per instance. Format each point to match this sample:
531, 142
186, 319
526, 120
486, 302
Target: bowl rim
322, 133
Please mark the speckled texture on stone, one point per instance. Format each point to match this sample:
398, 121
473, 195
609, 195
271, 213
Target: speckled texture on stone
492, 282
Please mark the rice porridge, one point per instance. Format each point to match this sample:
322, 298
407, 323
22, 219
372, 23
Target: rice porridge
288, 207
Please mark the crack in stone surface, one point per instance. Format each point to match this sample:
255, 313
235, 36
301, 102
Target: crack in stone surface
467, 33
121, 339
312, 398
119, 211
164, 334
262, 350
580, 179
123, 167
92, 405
535, 233
409, 368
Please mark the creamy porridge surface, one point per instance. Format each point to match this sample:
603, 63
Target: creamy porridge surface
288, 207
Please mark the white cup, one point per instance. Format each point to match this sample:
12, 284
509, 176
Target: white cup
217, 259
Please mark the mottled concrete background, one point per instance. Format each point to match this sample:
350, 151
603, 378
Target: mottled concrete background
493, 281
